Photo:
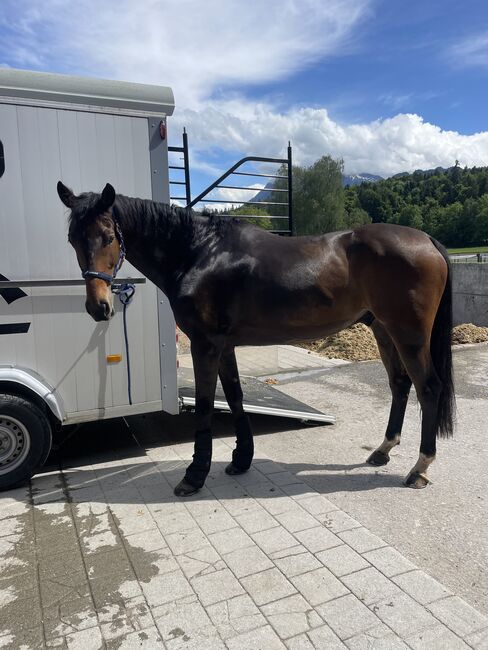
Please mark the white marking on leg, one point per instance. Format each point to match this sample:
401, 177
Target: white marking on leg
422, 465
417, 477
387, 445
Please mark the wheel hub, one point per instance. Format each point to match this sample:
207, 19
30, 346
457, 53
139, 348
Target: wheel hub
14, 443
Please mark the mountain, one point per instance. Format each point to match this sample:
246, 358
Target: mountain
347, 179
426, 172
357, 179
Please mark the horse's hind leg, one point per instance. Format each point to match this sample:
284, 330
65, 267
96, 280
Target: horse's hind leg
206, 359
400, 384
428, 386
229, 376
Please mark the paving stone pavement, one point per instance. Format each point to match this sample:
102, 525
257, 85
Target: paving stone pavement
273, 359
101, 555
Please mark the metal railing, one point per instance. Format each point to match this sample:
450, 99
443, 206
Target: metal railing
469, 258
185, 167
285, 206
15, 284
177, 181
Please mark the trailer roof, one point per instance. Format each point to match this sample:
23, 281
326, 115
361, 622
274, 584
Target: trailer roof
42, 88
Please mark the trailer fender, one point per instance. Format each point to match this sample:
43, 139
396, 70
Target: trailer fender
34, 383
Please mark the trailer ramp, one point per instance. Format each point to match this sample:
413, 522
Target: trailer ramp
259, 397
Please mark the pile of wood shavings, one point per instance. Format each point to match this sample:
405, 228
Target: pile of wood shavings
469, 333
357, 343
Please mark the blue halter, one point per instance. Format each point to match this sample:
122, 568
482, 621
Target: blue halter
109, 279
125, 292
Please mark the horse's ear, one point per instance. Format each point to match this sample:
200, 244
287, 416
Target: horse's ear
107, 198
66, 195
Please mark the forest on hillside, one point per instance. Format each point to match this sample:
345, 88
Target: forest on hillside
449, 204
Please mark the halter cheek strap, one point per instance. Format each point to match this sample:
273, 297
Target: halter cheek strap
125, 292
109, 279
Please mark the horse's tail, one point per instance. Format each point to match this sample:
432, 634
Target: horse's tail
441, 352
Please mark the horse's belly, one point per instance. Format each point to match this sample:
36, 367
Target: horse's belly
279, 321
261, 334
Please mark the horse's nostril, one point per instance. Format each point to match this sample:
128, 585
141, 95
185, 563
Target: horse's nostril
100, 310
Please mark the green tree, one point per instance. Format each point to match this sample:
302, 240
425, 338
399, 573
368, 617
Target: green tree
448, 228
354, 216
318, 197
260, 216
448, 204
411, 216
451, 205
481, 232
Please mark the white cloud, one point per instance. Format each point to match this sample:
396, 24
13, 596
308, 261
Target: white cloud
205, 49
196, 47
235, 197
232, 194
470, 51
385, 146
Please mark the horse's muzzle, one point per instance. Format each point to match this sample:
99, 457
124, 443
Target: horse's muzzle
101, 311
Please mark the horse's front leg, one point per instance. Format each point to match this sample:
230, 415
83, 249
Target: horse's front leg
229, 376
206, 359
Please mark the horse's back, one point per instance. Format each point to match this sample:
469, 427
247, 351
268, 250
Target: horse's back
389, 237
395, 247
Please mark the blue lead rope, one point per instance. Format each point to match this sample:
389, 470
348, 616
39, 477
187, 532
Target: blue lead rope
125, 292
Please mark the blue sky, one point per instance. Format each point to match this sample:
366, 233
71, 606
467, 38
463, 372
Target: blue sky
387, 86
411, 65
402, 59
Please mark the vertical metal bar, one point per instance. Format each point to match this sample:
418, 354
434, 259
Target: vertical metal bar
158, 154
187, 166
290, 191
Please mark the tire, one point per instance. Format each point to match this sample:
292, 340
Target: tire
25, 440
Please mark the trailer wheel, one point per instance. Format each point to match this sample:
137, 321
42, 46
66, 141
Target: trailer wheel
25, 440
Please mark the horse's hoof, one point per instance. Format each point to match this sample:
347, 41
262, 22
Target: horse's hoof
185, 489
232, 470
417, 481
378, 458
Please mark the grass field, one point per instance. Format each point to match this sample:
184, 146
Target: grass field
474, 249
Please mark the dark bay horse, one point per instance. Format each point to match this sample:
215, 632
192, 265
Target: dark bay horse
230, 283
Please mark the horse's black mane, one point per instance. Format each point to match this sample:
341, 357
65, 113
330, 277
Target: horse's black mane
156, 219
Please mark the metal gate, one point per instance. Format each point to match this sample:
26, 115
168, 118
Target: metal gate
277, 212
185, 168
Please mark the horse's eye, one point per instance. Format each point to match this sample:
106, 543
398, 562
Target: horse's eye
109, 240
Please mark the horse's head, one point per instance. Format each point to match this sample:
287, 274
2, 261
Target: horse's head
96, 238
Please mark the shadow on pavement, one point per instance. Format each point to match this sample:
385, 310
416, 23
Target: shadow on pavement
129, 461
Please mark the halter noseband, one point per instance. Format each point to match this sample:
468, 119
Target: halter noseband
105, 276
124, 291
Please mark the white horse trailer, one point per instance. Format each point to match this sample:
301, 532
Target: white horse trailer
57, 366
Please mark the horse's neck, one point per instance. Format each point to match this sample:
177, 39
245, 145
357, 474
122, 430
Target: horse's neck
155, 243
